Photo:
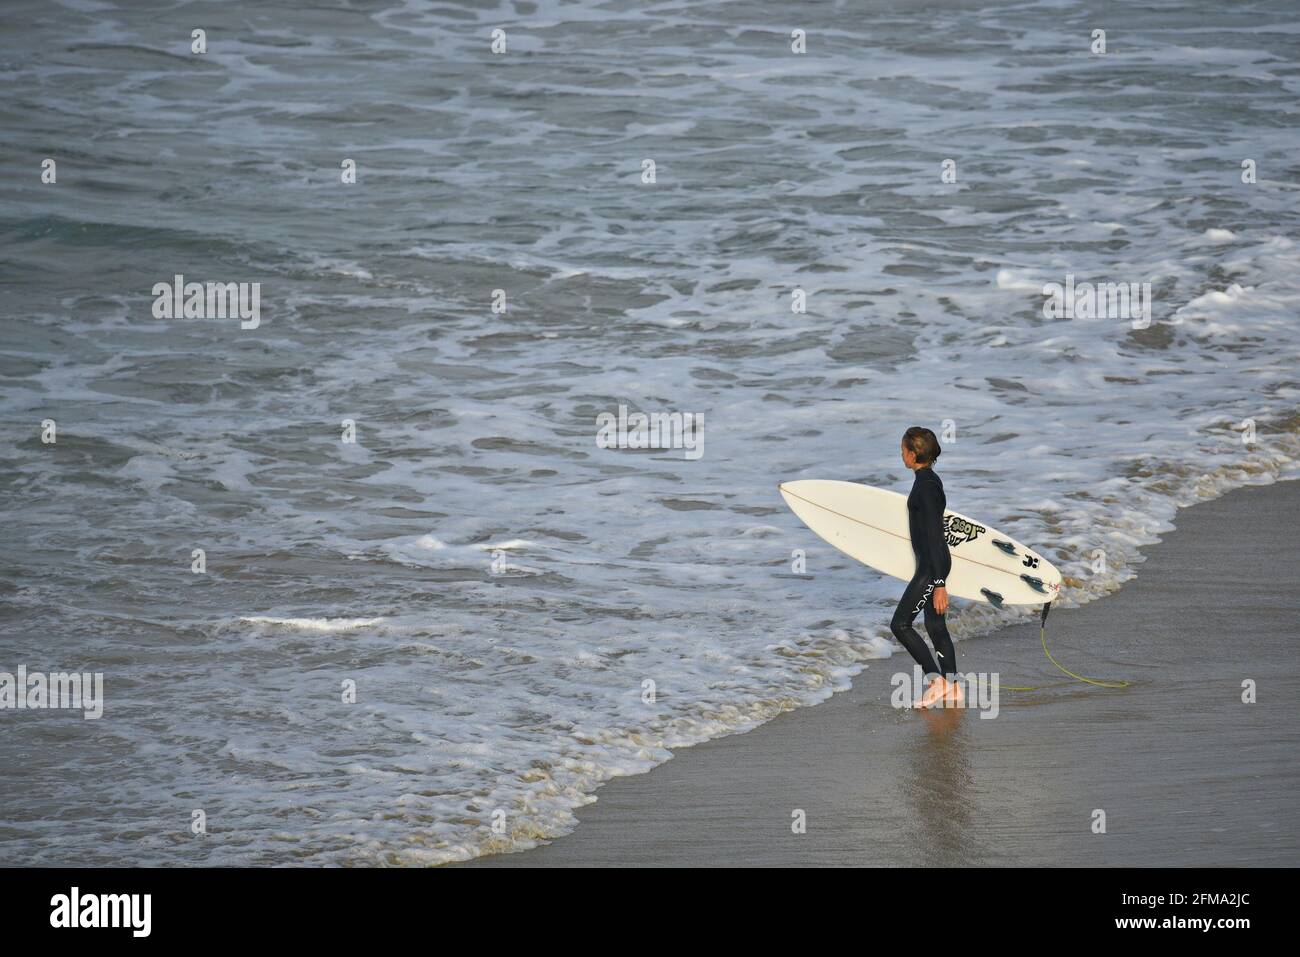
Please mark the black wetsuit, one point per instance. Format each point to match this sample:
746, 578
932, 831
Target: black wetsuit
925, 507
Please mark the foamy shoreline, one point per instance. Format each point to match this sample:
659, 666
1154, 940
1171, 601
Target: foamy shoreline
1185, 772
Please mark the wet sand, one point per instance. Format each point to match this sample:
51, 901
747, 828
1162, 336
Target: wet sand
1185, 772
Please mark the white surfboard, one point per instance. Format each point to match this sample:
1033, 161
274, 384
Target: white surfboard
870, 525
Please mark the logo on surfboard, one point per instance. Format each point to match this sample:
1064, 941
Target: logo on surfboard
959, 530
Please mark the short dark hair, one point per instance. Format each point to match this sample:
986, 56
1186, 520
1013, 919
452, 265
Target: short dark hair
923, 444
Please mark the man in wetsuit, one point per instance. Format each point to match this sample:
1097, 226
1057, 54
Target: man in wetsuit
927, 590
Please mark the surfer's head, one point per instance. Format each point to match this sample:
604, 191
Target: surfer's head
920, 447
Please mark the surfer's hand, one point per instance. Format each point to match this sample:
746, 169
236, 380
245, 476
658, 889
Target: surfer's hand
941, 600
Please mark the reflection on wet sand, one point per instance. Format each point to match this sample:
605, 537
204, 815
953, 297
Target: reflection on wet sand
938, 790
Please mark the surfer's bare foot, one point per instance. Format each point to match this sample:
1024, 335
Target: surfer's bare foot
933, 693
941, 693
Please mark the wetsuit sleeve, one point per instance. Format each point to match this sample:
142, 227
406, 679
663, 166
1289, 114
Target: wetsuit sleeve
938, 560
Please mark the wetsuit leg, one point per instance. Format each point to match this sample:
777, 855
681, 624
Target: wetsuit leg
916, 597
937, 629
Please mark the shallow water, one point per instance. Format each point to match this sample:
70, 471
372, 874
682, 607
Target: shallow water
519, 689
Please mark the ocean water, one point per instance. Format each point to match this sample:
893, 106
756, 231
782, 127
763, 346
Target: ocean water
498, 588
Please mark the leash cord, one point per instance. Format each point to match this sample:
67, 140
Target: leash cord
1042, 626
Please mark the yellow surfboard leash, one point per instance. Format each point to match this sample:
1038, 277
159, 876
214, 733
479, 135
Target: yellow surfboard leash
1042, 627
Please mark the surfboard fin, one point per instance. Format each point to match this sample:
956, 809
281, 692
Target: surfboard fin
1006, 547
994, 598
1035, 583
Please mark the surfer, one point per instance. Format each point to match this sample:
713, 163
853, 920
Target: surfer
927, 590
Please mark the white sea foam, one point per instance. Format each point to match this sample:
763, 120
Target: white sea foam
312, 624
